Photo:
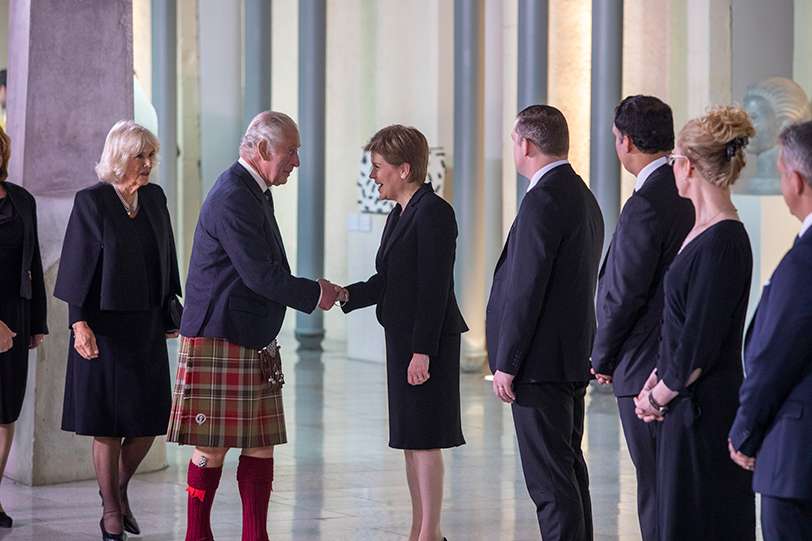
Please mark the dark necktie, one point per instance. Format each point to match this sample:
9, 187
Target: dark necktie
269, 197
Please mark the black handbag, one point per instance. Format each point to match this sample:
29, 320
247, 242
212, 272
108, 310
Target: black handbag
175, 313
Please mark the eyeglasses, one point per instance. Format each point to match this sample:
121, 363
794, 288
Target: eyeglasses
671, 158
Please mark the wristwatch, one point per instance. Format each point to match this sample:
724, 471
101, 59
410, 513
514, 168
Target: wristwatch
660, 409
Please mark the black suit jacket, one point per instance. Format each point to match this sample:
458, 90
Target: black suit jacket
93, 240
774, 420
32, 284
650, 231
239, 279
541, 312
414, 284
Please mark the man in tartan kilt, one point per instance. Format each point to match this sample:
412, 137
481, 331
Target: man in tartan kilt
228, 387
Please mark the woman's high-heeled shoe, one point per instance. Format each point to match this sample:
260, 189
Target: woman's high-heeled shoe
111, 536
5, 520
131, 525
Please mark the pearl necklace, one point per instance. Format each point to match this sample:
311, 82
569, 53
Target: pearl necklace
129, 208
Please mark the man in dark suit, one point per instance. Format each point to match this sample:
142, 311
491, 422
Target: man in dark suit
239, 285
771, 432
649, 233
541, 321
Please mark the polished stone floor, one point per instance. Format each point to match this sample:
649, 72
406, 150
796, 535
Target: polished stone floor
336, 479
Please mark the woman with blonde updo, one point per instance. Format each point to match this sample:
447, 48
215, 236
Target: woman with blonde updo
701, 493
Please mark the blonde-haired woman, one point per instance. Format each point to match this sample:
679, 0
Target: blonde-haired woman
22, 301
119, 274
701, 493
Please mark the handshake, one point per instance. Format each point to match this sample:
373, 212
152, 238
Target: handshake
331, 294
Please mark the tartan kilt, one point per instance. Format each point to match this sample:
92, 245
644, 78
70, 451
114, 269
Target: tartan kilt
221, 400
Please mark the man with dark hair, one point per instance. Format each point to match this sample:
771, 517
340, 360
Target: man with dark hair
649, 233
772, 427
541, 322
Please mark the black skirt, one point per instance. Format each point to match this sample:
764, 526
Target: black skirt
424, 416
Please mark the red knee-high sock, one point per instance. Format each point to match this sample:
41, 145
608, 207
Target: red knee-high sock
203, 483
255, 479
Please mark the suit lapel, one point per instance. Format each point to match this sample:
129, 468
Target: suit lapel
406, 216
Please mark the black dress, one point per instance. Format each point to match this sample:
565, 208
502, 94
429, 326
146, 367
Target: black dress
15, 312
125, 392
702, 493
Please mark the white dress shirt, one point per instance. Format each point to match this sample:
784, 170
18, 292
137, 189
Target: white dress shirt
645, 172
541, 172
806, 225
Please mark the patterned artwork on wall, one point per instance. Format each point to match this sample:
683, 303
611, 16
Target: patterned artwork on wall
368, 200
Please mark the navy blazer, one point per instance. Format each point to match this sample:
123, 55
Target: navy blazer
650, 231
774, 420
541, 311
414, 284
92, 240
239, 280
32, 284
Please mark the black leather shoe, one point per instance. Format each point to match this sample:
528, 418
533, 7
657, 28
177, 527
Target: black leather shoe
5, 520
111, 536
131, 525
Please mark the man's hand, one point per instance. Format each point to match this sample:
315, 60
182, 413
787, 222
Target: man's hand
342, 295
85, 341
503, 386
328, 294
746, 462
603, 379
6, 337
418, 372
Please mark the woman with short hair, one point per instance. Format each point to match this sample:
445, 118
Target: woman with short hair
119, 274
414, 293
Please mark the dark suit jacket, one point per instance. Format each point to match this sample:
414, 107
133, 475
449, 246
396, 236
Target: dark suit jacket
414, 284
93, 240
649, 233
541, 312
239, 279
774, 420
32, 284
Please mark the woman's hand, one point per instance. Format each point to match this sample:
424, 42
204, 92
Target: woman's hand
173, 334
644, 409
35, 341
418, 372
6, 337
85, 341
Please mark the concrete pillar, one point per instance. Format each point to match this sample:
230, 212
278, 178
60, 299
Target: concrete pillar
257, 59
469, 189
533, 36
312, 111
53, 43
165, 96
607, 85
494, 136
709, 55
220, 39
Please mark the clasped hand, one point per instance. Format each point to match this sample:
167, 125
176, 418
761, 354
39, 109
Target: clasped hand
330, 294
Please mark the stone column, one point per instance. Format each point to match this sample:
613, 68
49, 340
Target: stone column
312, 111
533, 36
165, 96
709, 55
469, 189
607, 85
257, 59
71, 79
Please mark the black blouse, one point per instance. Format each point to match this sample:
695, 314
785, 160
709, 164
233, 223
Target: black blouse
706, 294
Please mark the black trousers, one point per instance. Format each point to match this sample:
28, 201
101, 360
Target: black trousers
549, 419
786, 519
641, 439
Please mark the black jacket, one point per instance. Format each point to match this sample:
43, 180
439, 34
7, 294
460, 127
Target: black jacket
541, 312
414, 284
650, 231
32, 284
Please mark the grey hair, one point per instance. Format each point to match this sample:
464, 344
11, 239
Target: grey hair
125, 140
796, 150
787, 98
269, 126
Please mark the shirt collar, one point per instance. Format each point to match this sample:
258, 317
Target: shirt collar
806, 225
645, 172
262, 185
541, 172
